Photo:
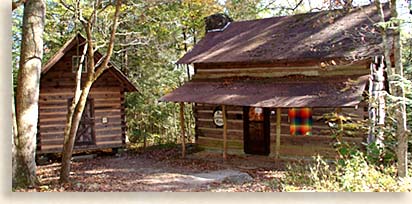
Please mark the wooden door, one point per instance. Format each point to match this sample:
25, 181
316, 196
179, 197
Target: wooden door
256, 130
85, 132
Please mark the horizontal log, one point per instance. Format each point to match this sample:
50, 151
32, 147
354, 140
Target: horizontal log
114, 139
110, 125
213, 73
52, 136
46, 143
109, 143
107, 131
106, 106
107, 110
218, 143
286, 64
230, 125
59, 149
70, 91
219, 134
209, 115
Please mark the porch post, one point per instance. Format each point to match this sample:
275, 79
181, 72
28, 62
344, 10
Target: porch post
182, 125
224, 132
278, 130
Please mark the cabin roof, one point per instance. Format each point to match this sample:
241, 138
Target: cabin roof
79, 39
325, 35
292, 91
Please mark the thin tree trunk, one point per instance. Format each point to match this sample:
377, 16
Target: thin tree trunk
93, 73
400, 108
70, 132
14, 141
28, 93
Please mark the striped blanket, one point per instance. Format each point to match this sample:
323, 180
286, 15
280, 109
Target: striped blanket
300, 121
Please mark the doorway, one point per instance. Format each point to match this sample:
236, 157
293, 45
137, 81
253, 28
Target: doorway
256, 130
85, 131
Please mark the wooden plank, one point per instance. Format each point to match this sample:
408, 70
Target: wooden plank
209, 115
61, 113
45, 143
108, 131
182, 125
278, 131
224, 132
109, 143
218, 134
232, 124
220, 130
108, 111
218, 143
56, 107
109, 138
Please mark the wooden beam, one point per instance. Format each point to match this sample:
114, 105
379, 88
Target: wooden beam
224, 132
278, 131
182, 125
339, 115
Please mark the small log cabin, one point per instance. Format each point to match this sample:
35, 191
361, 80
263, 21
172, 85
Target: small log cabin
103, 122
264, 86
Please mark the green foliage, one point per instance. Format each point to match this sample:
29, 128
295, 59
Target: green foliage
242, 9
17, 19
165, 31
352, 175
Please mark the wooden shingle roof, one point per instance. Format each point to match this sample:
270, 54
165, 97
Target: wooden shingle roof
304, 37
79, 40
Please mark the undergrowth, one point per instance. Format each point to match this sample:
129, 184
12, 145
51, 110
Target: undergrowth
354, 174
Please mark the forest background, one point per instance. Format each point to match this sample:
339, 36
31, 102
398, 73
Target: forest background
151, 37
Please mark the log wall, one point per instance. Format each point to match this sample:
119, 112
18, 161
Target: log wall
209, 71
210, 137
57, 87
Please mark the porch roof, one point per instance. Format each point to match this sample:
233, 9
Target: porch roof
295, 91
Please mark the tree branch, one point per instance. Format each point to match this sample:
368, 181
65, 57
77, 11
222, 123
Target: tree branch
66, 6
281, 7
102, 67
16, 4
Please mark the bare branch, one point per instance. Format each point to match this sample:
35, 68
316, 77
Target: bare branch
66, 6
102, 67
16, 4
282, 7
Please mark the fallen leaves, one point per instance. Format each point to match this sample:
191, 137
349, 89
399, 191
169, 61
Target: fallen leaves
155, 169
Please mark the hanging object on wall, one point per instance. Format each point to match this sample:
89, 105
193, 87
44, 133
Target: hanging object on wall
218, 117
300, 121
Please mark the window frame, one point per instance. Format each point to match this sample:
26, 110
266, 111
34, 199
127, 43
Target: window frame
75, 63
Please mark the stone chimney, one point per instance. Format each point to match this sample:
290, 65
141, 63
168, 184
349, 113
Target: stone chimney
217, 22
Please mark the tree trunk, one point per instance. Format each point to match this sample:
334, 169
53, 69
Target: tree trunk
73, 120
13, 143
28, 93
75, 112
400, 107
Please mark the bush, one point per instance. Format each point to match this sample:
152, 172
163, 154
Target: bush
353, 174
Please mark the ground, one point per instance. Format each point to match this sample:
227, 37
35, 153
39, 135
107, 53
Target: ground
162, 169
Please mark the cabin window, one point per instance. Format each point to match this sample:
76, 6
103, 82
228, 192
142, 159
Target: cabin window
300, 121
75, 64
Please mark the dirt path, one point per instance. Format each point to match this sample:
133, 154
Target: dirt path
162, 170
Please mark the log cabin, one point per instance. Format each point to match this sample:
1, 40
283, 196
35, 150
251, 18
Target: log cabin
265, 86
103, 123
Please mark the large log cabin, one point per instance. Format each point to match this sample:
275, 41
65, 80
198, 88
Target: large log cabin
103, 122
264, 86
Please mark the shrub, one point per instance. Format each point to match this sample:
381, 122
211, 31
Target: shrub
353, 174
